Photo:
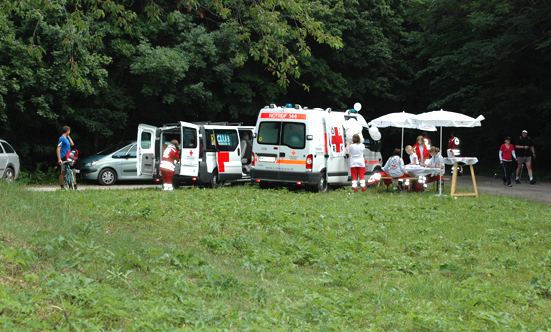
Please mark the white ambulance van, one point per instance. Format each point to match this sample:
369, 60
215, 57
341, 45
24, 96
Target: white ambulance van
210, 153
307, 147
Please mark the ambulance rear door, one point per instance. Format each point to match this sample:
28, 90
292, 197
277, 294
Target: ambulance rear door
145, 161
293, 148
338, 165
189, 156
266, 146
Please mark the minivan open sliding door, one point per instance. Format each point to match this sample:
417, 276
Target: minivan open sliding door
228, 153
145, 161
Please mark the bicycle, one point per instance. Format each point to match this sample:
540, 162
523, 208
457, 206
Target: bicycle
69, 180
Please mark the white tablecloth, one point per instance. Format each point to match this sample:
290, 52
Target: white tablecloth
464, 160
416, 171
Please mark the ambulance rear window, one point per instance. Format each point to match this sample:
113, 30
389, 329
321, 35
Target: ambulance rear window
293, 135
268, 133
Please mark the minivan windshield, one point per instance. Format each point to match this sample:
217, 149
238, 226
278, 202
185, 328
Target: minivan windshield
113, 148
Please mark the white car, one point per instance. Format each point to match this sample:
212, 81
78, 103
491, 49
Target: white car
9, 162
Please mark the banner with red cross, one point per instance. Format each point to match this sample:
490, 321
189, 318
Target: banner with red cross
336, 140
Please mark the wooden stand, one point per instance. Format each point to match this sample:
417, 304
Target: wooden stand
454, 183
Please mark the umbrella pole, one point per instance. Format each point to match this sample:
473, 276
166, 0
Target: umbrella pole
402, 145
440, 186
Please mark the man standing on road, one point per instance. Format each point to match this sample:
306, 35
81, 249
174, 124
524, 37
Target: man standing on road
453, 145
524, 152
63, 146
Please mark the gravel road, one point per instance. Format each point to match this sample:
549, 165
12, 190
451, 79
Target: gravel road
539, 192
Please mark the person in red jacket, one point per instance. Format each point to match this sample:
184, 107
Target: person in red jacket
453, 145
170, 157
422, 151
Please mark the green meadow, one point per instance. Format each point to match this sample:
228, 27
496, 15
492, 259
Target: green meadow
245, 259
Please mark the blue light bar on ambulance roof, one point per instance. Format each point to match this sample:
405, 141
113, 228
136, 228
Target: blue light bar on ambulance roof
352, 110
289, 105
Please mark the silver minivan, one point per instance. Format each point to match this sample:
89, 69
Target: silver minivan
116, 163
9, 162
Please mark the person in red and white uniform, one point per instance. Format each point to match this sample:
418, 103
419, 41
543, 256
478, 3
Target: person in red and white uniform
453, 145
422, 150
170, 157
357, 162
427, 140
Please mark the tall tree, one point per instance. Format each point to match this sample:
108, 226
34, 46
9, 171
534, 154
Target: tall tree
491, 58
99, 65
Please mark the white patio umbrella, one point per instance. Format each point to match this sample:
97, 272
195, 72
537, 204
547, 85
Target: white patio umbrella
399, 120
443, 118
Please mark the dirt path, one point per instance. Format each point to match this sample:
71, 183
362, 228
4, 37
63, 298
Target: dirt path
539, 192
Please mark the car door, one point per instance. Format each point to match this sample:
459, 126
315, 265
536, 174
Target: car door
228, 153
145, 162
189, 156
127, 157
3, 160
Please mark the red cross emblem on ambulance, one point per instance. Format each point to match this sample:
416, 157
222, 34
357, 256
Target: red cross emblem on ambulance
337, 141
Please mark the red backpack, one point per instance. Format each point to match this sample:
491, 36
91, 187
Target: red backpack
72, 156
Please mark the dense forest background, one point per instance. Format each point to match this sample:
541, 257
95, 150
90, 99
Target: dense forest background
102, 67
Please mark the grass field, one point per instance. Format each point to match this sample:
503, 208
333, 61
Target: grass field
245, 259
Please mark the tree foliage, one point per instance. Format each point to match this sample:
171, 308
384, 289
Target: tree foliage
104, 66
487, 57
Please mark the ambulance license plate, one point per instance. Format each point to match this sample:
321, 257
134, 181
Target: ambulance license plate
266, 159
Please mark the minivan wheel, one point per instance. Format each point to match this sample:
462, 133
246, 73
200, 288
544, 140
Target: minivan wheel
322, 186
107, 177
215, 181
9, 175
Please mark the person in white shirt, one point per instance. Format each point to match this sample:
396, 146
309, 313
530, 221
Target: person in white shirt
395, 168
436, 161
413, 159
357, 162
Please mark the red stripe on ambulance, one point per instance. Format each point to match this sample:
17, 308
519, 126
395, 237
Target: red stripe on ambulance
222, 158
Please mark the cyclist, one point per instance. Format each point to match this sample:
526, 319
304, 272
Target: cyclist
63, 146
